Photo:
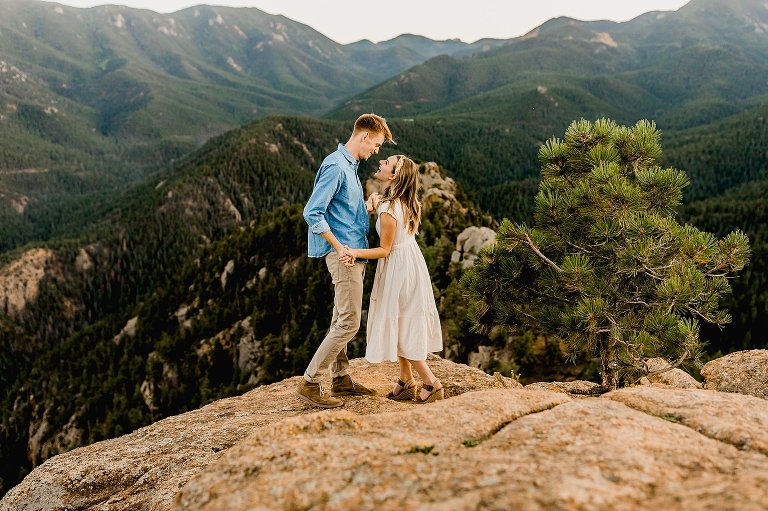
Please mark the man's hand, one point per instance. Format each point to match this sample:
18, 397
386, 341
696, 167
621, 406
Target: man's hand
347, 257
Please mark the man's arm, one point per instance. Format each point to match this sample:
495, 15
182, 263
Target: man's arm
330, 238
325, 188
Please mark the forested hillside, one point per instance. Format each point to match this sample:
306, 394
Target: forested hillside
743, 207
94, 100
697, 72
139, 243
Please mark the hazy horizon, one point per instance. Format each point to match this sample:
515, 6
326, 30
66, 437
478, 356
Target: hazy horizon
344, 22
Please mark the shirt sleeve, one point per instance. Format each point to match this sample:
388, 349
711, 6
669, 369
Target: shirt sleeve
326, 186
390, 208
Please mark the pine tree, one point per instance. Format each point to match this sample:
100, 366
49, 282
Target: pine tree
607, 267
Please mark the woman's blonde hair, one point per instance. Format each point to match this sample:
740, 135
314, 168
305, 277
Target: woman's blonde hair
405, 187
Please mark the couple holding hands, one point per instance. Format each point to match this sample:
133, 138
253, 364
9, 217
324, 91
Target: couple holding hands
403, 323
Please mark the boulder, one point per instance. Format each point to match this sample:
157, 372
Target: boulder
470, 242
674, 377
564, 387
741, 421
744, 372
481, 358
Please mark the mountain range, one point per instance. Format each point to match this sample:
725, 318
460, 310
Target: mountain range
95, 99
152, 246
148, 77
708, 57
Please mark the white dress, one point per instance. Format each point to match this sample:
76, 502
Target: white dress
402, 317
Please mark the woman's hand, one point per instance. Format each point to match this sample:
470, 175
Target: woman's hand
347, 256
373, 202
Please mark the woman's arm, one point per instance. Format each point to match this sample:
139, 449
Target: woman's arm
388, 226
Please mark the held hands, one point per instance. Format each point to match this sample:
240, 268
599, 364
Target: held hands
347, 256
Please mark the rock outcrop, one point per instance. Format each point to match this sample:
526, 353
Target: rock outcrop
129, 330
500, 449
20, 280
145, 469
487, 446
565, 387
745, 372
659, 372
241, 343
470, 242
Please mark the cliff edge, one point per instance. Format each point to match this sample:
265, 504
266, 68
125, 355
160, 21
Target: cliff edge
491, 445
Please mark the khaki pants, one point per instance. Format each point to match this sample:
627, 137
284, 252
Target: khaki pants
347, 306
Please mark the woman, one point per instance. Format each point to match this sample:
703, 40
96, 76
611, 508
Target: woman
403, 323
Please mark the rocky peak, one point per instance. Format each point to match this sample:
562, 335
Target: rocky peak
491, 444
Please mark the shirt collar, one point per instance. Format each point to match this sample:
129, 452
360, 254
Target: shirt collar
351, 159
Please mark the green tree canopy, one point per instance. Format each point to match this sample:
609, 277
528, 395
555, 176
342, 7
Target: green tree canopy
607, 267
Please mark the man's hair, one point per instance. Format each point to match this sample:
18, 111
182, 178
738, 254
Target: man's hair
374, 124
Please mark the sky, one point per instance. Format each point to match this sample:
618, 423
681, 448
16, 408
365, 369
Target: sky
346, 21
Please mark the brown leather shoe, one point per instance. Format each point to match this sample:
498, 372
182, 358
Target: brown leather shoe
313, 394
345, 386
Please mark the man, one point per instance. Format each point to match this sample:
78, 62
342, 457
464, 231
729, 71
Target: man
337, 216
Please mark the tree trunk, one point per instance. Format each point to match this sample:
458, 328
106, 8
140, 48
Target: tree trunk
608, 364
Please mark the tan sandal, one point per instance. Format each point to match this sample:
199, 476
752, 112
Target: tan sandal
436, 392
407, 393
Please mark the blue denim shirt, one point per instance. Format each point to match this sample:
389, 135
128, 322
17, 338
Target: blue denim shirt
337, 204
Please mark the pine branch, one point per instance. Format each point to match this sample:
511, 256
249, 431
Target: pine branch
667, 267
629, 349
529, 242
551, 297
586, 250
518, 311
649, 271
672, 365
702, 316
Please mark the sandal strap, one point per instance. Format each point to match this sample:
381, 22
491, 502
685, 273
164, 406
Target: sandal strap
431, 388
406, 384
403, 387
